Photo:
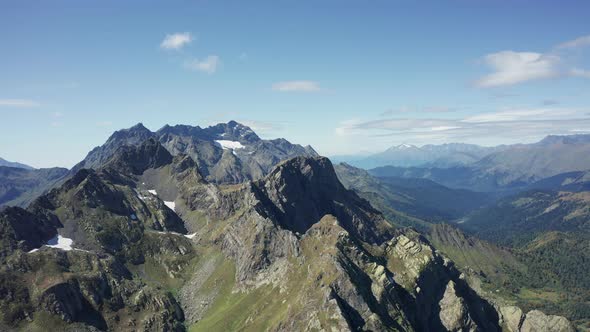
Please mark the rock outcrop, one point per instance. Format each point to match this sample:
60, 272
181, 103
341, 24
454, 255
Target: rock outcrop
535, 320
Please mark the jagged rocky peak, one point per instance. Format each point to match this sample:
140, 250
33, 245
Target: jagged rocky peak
182, 130
131, 136
230, 131
99, 155
234, 131
136, 159
224, 153
318, 173
302, 190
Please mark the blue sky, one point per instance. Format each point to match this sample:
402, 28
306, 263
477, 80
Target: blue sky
346, 77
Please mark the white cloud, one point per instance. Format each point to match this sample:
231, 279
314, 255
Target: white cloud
296, 86
523, 114
208, 65
176, 41
21, 103
444, 128
516, 67
510, 67
578, 42
501, 127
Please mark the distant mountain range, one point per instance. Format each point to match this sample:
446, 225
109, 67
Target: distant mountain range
19, 186
6, 163
553, 152
509, 168
407, 155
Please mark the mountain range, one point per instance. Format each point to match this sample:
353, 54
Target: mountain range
6, 163
461, 154
510, 169
215, 229
225, 153
408, 155
19, 186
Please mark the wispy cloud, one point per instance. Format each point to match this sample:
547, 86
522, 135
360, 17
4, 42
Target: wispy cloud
427, 109
20, 103
503, 126
208, 65
575, 43
510, 67
176, 41
530, 114
297, 86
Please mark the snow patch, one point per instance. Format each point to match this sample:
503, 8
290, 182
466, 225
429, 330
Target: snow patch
230, 145
153, 192
58, 242
61, 242
171, 205
189, 236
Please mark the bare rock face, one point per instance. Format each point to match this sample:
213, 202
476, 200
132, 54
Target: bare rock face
136, 159
21, 229
133, 136
536, 320
63, 300
454, 314
300, 191
252, 160
512, 317
514, 320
